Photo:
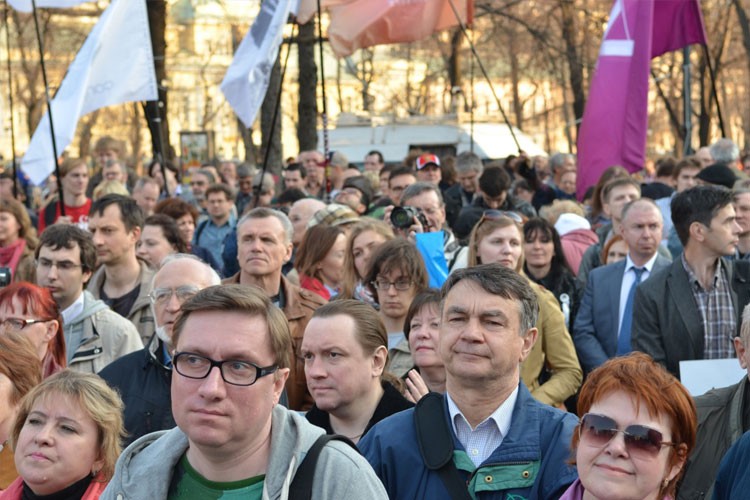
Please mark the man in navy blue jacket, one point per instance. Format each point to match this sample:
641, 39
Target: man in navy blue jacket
506, 444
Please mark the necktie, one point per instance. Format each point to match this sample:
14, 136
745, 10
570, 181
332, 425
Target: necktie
623, 340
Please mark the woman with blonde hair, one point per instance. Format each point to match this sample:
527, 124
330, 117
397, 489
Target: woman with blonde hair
17, 241
551, 372
66, 438
364, 238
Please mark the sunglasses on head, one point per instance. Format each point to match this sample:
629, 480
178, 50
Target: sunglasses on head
498, 214
598, 430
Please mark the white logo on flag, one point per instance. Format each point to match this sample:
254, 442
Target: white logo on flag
617, 47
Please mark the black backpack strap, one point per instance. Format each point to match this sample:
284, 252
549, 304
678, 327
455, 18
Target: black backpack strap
301, 487
436, 444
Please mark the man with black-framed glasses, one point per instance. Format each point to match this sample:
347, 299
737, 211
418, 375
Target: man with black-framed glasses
232, 352
94, 334
142, 378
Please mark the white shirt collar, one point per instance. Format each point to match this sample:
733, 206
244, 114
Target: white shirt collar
648, 265
502, 416
73, 310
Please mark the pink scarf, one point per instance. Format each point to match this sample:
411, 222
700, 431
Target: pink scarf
11, 255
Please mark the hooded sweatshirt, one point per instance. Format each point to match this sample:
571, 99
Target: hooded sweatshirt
145, 468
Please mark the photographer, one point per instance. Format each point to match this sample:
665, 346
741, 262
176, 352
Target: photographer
424, 203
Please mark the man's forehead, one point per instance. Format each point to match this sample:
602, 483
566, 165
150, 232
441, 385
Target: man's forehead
72, 253
472, 297
109, 215
182, 272
260, 225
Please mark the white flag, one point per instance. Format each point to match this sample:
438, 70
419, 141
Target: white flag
115, 65
247, 78
25, 5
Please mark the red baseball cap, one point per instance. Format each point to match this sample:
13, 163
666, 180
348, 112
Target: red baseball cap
427, 159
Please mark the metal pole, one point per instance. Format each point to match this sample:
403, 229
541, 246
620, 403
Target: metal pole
324, 115
687, 148
49, 108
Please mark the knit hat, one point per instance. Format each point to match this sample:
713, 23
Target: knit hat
719, 174
570, 222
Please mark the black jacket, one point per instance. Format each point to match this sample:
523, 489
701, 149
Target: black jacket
143, 381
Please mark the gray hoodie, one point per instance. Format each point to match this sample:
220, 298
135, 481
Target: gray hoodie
144, 470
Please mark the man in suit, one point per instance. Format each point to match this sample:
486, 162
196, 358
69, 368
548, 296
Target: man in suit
691, 310
602, 326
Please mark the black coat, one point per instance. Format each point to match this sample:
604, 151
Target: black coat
143, 381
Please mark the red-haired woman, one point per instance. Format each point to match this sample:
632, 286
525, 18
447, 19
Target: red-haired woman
320, 260
31, 311
17, 240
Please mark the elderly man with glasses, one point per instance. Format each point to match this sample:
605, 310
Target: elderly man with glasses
143, 377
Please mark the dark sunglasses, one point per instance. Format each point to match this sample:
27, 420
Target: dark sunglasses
492, 214
598, 430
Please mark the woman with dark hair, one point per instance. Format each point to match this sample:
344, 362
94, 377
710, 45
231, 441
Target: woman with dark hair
160, 237
396, 275
545, 264
421, 328
186, 215
345, 353
30, 310
173, 177
638, 427
320, 260
17, 241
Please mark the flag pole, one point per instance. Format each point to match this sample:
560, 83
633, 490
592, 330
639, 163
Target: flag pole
10, 102
687, 147
49, 108
713, 89
484, 73
277, 106
160, 156
324, 114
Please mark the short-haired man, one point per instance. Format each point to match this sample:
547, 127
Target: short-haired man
143, 377
264, 187
741, 201
314, 163
725, 151
468, 169
74, 177
294, 176
426, 197
615, 195
233, 439
722, 420
146, 194
428, 169
199, 182
228, 172
245, 188
338, 163
300, 214
400, 179
211, 233
692, 309
683, 177
374, 161
122, 281
264, 244
356, 194
603, 323
506, 444
94, 335
114, 171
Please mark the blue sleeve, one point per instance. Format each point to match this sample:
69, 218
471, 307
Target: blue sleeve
734, 471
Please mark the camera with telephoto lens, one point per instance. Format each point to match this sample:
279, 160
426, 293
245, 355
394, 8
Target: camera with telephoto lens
403, 217
5, 276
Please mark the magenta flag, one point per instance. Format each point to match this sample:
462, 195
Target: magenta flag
615, 120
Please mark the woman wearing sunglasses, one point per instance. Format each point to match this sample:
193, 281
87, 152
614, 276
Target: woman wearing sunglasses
637, 430
551, 371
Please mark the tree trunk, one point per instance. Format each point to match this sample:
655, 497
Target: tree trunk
454, 68
307, 107
575, 68
271, 133
744, 23
515, 79
156, 112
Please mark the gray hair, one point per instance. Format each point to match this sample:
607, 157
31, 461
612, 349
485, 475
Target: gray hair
418, 188
557, 160
213, 276
265, 181
500, 281
143, 181
207, 174
467, 162
641, 201
745, 326
725, 151
264, 213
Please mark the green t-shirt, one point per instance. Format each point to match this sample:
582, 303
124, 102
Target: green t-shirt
188, 484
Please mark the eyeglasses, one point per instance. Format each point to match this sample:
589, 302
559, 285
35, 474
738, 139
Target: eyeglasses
232, 371
498, 214
61, 265
161, 296
18, 324
384, 285
640, 440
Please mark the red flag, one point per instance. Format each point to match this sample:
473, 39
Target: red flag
363, 23
615, 121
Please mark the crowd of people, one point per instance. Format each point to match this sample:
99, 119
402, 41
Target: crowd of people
441, 327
